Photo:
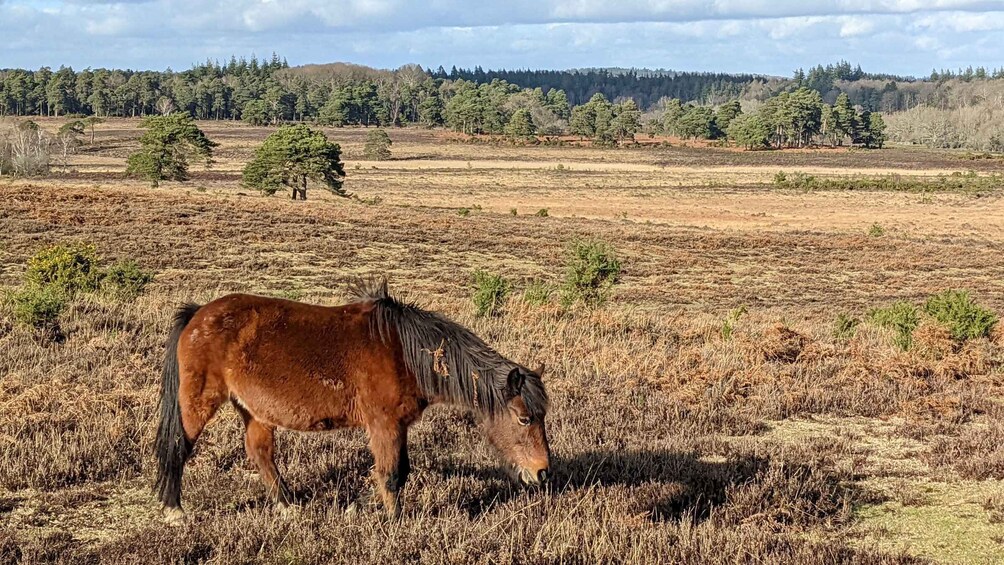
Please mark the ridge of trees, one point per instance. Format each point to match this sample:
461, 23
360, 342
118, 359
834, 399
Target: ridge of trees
270, 91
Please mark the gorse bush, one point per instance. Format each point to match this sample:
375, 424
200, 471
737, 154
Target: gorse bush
955, 310
125, 279
592, 270
490, 292
377, 146
37, 306
960, 314
797, 181
70, 268
876, 231
57, 273
965, 183
900, 317
537, 293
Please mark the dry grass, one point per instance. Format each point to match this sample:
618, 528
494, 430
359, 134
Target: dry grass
673, 443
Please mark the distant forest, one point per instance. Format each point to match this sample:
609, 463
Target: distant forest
644, 88
486, 101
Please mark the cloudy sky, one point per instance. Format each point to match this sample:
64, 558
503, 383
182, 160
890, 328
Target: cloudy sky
762, 36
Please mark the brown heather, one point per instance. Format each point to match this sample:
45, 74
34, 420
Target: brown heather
672, 443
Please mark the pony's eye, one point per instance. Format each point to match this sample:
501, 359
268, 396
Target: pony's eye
525, 420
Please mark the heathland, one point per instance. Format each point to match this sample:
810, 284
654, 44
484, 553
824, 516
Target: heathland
769, 381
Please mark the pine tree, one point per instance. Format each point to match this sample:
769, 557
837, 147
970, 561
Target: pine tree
166, 146
290, 157
844, 118
627, 120
520, 125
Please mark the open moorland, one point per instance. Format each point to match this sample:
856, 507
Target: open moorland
712, 411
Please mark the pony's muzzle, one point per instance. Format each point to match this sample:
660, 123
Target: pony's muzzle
531, 478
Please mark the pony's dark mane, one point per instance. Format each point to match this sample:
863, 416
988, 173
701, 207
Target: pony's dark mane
448, 360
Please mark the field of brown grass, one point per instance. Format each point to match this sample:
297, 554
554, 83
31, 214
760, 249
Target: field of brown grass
675, 441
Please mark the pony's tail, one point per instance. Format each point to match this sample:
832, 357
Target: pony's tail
172, 447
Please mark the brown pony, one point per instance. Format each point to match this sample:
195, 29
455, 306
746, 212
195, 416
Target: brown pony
375, 363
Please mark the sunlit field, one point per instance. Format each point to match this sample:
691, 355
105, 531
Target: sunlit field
713, 410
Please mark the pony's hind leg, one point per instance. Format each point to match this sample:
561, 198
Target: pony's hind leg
390, 464
186, 408
259, 443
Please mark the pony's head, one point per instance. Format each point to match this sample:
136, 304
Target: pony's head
518, 432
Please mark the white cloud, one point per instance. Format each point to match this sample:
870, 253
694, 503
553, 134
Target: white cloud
963, 22
737, 35
854, 26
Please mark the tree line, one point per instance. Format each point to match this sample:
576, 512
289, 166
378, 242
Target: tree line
796, 118
645, 88
269, 91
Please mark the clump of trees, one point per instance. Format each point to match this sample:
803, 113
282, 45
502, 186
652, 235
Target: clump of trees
790, 119
291, 157
492, 108
24, 150
604, 121
166, 147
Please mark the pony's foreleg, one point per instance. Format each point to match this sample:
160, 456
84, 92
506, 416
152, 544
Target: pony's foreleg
259, 443
391, 467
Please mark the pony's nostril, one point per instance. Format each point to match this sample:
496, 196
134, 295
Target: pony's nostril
542, 475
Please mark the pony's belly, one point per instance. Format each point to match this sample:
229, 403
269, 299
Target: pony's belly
300, 412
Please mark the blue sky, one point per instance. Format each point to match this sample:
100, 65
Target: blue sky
761, 36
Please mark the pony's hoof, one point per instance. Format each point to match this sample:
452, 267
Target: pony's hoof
175, 516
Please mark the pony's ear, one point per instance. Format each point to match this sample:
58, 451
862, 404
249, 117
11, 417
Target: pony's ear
540, 371
514, 383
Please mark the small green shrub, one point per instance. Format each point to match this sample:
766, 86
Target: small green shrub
958, 312
37, 306
729, 325
490, 292
125, 279
513, 212
542, 213
377, 145
845, 327
70, 268
876, 231
537, 293
798, 181
900, 317
464, 212
593, 268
